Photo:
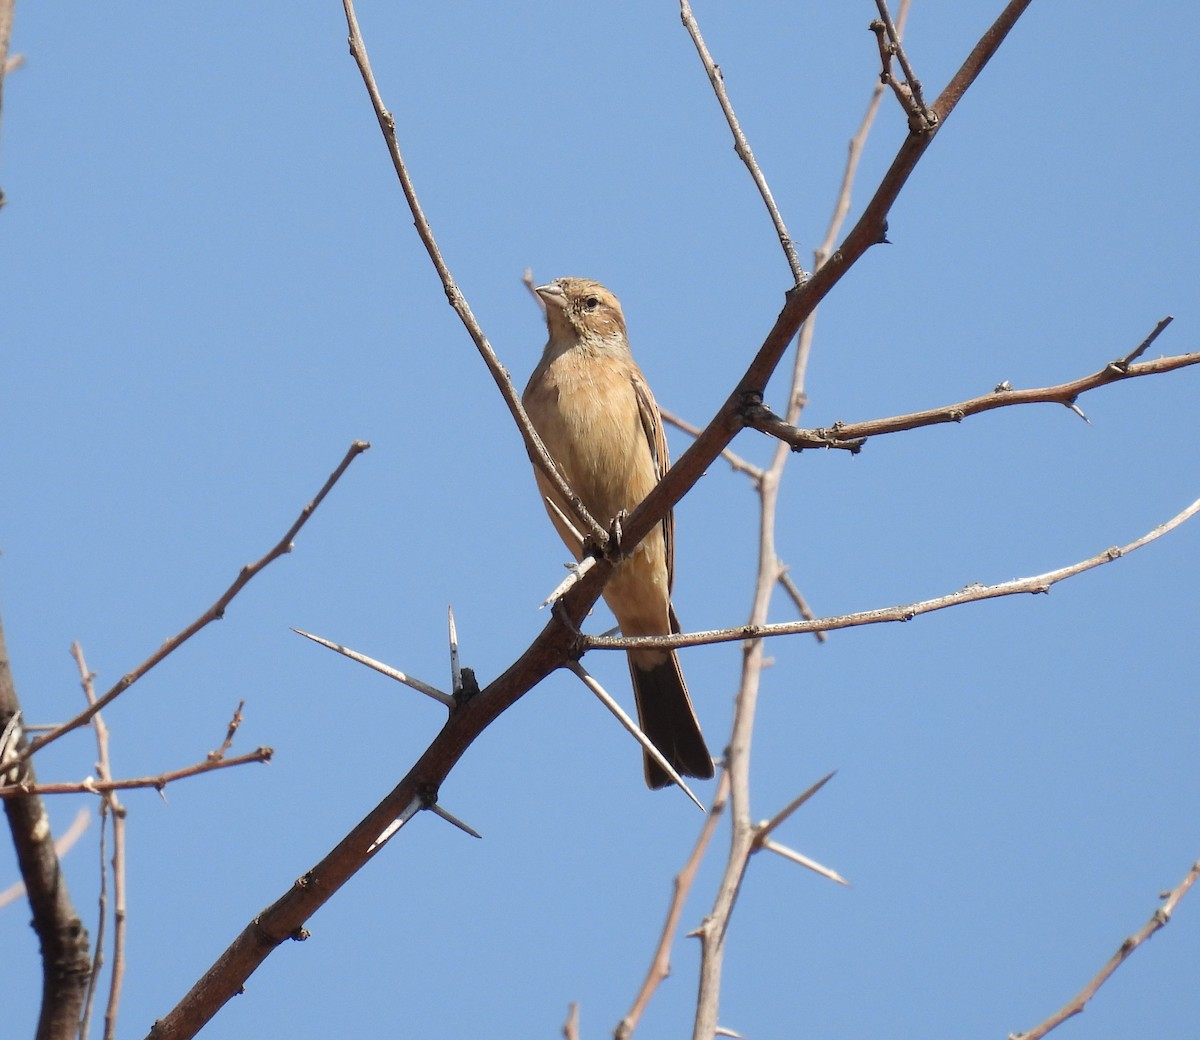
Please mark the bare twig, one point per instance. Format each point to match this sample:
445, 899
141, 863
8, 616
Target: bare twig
908, 92
1159, 919
854, 154
214, 613
660, 963
230, 732
533, 443
806, 612
571, 1025
852, 436
109, 805
159, 782
974, 593
1142, 347
740, 144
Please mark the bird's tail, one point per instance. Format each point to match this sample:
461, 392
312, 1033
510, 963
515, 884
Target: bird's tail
667, 718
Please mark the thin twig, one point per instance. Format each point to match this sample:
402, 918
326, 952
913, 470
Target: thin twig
852, 436
793, 591
975, 593
1159, 919
1142, 347
230, 732
571, 1025
111, 805
91, 786
908, 92
660, 963
214, 613
533, 443
740, 144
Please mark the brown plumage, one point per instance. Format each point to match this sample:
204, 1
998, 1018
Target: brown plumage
591, 406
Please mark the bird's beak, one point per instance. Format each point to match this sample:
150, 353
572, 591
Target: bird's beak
552, 293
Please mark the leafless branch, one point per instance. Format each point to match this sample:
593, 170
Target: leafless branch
159, 782
533, 443
62, 938
234, 724
1159, 919
740, 144
908, 91
852, 436
974, 593
110, 805
214, 613
660, 963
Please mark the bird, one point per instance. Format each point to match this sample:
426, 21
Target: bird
595, 414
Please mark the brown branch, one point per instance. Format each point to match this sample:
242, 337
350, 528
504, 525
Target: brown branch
736, 462
557, 642
971, 594
852, 436
660, 963
230, 732
803, 300
797, 597
214, 613
1159, 919
533, 443
740, 144
908, 92
109, 804
90, 786
62, 938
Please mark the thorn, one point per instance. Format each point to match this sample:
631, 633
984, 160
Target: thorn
455, 669
1076, 409
804, 861
389, 831
766, 827
379, 666
632, 728
449, 817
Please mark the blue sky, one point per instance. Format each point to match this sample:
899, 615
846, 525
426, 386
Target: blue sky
211, 286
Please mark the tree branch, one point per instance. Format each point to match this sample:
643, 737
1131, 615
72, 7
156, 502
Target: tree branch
214, 613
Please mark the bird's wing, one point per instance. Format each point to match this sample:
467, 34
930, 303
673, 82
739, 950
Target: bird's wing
656, 440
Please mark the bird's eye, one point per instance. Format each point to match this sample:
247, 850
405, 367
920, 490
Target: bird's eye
591, 303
